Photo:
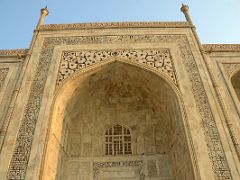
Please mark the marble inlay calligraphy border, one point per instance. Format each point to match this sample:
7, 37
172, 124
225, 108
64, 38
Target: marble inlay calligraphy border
20, 158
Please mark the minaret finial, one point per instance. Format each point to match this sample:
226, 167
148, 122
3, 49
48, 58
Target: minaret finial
44, 13
185, 10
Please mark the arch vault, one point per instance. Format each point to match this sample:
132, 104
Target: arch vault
117, 93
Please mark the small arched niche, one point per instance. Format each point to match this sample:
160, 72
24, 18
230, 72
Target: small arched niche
121, 94
236, 83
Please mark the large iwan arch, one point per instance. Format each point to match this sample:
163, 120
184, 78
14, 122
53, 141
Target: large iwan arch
125, 94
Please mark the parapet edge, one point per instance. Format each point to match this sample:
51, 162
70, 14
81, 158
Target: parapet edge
105, 25
221, 47
13, 52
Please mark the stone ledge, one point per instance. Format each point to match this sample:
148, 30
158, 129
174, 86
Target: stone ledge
105, 25
221, 47
13, 52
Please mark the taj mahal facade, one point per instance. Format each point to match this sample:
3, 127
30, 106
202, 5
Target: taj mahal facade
120, 101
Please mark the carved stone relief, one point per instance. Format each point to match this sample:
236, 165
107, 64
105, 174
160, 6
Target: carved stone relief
158, 59
221, 47
230, 68
221, 168
113, 25
97, 166
20, 158
3, 74
12, 52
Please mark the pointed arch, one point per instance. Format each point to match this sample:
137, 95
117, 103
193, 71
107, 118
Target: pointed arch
152, 86
235, 80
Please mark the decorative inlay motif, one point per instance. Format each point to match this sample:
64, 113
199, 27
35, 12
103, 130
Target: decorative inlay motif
221, 47
20, 158
73, 61
3, 74
114, 25
230, 68
216, 152
99, 165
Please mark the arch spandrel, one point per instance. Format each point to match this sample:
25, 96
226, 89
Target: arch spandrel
231, 69
155, 60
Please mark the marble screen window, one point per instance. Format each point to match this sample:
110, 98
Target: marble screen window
118, 141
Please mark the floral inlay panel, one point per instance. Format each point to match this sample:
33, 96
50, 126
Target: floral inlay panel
73, 61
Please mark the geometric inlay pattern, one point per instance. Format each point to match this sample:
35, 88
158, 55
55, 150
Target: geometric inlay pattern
159, 59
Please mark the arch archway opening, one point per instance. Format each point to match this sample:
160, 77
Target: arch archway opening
236, 84
117, 94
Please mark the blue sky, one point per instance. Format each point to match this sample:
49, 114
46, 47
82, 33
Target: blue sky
217, 21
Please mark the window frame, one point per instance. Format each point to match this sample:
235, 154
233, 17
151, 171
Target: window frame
117, 143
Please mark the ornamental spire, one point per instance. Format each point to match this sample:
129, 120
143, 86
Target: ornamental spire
44, 13
185, 10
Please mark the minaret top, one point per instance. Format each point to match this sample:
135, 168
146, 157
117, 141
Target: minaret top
44, 13
185, 10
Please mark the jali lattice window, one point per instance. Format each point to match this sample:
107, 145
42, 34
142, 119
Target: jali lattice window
118, 141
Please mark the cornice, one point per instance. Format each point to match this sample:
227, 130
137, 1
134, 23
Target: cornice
221, 47
105, 25
13, 52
